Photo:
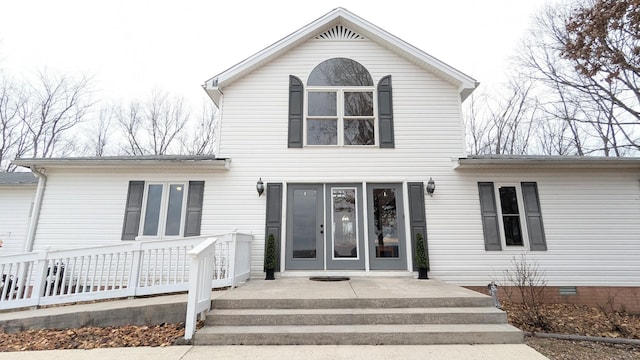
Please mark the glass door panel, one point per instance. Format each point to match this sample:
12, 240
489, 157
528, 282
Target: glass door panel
305, 227
386, 227
385, 220
345, 223
304, 224
345, 239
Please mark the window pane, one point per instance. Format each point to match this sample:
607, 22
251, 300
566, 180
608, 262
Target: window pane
152, 210
359, 132
174, 210
512, 233
358, 104
510, 216
508, 200
340, 72
385, 220
304, 224
322, 104
344, 223
322, 132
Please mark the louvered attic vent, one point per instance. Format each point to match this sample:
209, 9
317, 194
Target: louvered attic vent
339, 32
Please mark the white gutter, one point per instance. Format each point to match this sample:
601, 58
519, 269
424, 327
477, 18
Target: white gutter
35, 214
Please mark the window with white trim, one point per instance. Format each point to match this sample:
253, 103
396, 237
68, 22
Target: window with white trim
511, 215
163, 209
340, 105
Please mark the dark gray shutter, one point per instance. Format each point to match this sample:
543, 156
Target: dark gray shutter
417, 218
535, 228
274, 216
133, 210
490, 223
385, 112
193, 217
296, 101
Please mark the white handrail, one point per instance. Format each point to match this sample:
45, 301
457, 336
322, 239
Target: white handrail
199, 298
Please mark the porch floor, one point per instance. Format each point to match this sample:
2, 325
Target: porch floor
356, 288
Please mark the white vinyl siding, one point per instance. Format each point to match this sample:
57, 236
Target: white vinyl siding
15, 213
590, 222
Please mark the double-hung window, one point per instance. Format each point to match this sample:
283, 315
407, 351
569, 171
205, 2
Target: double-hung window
511, 216
340, 105
163, 209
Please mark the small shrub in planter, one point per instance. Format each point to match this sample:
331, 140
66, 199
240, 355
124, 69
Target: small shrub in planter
270, 260
422, 262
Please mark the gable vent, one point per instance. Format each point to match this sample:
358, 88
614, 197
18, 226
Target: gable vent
339, 32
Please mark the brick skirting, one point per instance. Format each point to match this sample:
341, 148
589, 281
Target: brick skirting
607, 297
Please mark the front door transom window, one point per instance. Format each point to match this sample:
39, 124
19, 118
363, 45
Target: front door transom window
340, 106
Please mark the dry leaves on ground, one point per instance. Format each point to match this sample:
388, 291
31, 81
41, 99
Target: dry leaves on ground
578, 320
92, 337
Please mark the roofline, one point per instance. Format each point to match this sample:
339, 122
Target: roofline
127, 161
465, 83
534, 161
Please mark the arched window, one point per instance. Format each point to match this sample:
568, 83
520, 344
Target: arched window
340, 104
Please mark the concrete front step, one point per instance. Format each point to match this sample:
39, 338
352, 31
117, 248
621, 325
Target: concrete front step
412, 334
359, 316
352, 303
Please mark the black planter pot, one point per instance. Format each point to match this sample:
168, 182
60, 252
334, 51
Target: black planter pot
270, 274
422, 273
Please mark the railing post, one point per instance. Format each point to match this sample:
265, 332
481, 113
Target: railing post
136, 265
41, 276
232, 258
200, 275
192, 297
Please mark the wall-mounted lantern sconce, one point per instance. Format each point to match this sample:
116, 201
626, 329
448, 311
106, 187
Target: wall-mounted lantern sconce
260, 187
431, 186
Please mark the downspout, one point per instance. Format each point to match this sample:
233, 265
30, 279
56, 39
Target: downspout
35, 214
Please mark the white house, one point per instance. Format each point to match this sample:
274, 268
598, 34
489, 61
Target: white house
346, 125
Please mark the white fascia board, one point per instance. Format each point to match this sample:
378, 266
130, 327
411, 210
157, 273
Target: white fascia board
220, 164
465, 83
549, 162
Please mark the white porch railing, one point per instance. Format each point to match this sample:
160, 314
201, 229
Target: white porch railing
136, 268
203, 268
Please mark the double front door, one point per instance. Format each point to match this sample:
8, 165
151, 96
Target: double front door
326, 227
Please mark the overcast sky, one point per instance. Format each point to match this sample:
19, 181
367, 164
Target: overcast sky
132, 46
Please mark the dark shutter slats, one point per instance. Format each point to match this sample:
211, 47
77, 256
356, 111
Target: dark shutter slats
133, 210
296, 101
490, 223
193, 217
385, 112
417, 218
274, 215
535, 228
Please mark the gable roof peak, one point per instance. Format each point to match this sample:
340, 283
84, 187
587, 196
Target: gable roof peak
363, 28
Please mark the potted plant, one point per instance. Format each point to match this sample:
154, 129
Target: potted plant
270, 260
422, 262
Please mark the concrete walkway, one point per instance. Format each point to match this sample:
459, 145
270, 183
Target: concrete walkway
285, 288
405, 352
